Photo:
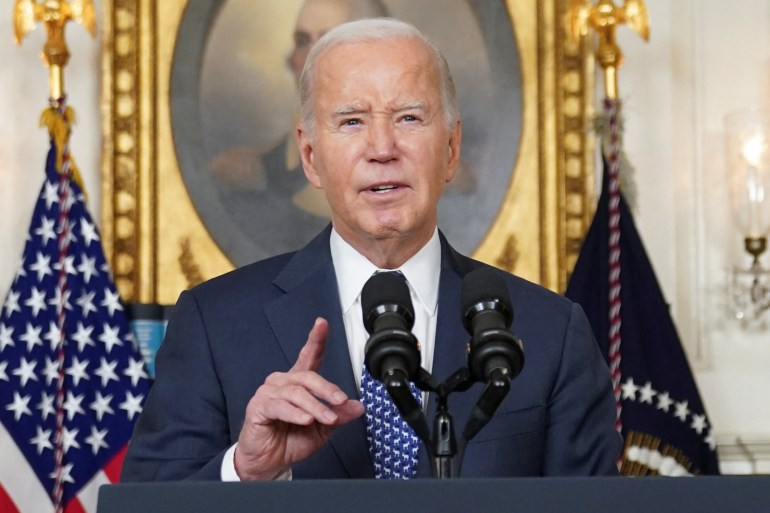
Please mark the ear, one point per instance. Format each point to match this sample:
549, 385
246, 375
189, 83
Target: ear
306, 152
455, 141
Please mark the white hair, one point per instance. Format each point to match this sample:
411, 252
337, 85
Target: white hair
370, 30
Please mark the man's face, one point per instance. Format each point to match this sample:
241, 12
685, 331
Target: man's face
315, 18
380, 149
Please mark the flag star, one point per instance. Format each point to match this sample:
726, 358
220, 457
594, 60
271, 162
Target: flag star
681, 411
135, 371
32, 336
12, 303
69, 439
46, 230
25, 371
96, 439
36, 301
3, 375
629, 389
83, 336
87, 267
6, 337
68, 264
111, 301
46, 405
51, 371
53, 335
664, 402
42, 440
101, 405
86, 303
20, 406
132, 405
66, 473
72, 405
42, 266
106, 371
78, 370
698, 423
50, 194
88, 232
110, 337
21, 272
60, 300
711, 440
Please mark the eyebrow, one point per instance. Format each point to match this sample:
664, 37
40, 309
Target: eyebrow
357, 108
347, 109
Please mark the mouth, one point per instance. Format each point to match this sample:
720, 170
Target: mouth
381, 189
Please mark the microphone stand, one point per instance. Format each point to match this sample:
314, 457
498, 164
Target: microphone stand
442, 445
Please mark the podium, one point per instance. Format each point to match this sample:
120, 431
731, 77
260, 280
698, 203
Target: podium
724, 494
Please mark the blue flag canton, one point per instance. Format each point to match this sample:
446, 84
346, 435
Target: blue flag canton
105, 382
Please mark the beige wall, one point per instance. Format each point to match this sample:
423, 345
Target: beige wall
704, 60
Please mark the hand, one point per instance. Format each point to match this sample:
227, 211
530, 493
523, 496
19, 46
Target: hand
293, 414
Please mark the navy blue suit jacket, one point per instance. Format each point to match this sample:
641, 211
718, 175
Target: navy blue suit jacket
228, 334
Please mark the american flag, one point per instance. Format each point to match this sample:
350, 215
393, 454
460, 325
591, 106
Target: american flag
95, 386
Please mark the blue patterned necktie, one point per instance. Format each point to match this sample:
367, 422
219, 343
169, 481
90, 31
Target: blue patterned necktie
392, 443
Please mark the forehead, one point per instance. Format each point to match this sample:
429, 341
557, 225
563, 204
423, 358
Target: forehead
398, 66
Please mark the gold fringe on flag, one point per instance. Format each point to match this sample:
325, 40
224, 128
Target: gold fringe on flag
59, 127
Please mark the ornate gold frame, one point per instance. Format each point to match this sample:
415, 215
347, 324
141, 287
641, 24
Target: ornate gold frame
158, 246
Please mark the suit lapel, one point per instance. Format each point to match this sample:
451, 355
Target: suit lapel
451, 338
310, 287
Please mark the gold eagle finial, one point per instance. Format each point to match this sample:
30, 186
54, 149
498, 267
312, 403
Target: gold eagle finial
54, 14
604, 17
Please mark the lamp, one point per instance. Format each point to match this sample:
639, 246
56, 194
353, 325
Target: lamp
748, 165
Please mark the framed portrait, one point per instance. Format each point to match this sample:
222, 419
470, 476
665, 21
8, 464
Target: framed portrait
201, 167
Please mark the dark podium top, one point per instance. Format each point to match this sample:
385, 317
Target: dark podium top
726, 494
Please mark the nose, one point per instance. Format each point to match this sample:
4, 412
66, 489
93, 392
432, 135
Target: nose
382, 140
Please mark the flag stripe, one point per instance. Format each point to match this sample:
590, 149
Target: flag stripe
19, 480
114, 467
6, 504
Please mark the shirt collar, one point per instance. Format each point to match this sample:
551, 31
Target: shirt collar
422, 271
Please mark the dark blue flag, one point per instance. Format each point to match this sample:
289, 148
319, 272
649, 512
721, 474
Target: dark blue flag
664, 424
99, 376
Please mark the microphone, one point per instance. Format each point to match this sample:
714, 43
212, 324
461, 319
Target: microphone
487, 314
388, 315
495, 355
392, 354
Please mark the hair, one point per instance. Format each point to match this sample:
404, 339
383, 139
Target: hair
371, 30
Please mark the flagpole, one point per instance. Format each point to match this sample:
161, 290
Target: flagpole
604, 18
58, 119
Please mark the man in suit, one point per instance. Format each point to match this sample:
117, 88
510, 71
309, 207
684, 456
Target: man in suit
243, 391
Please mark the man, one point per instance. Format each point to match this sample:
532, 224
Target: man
380, 134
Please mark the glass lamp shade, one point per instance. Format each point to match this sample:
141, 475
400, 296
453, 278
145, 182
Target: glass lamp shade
748, 167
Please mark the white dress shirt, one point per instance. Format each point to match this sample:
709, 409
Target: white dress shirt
422, 273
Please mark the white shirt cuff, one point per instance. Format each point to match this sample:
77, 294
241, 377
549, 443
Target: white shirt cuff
228, 473
228, 465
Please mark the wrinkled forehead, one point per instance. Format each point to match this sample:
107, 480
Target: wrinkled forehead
372, 59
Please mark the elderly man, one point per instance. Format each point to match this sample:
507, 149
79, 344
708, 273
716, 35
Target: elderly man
244, 392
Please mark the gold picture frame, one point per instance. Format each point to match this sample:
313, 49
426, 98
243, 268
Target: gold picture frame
157, 243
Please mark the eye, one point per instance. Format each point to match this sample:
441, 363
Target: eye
351, 122
409, 118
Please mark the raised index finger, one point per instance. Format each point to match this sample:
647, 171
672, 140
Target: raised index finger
312, 353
